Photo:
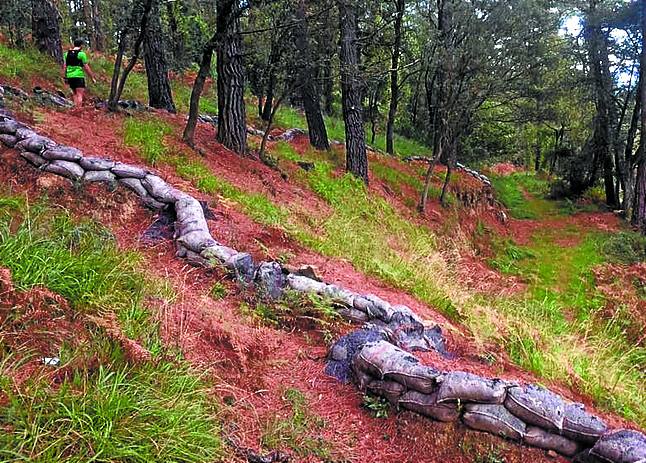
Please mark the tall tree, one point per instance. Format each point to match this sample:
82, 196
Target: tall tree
351, 91
159, 90
232, 128
602, 138
307, 83
46, 28
394, 76
639, 211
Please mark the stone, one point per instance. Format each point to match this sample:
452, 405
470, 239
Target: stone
537, 437
621, 446
8, 127
270, 280
162, 191
582, 426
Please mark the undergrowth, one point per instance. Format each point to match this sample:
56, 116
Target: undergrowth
148, 136
105, 407
300, 430
557, 328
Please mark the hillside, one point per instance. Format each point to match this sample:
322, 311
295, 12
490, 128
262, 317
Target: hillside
165, 361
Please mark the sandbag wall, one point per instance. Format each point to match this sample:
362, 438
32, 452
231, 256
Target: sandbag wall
195, 243
529, 414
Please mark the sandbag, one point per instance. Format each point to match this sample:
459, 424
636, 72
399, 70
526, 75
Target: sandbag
374, 306
582, 426
33, 158
494, 419
67, 169
466, 387
8, 127
270, 280
92, 163
537, 437
622, 446
390, 390
36, 144
63, 153
352, 314
134, 185
343, 351
386, 361
152, 203
161, 190
218, 252
122, 170
8, 140
99, 176
427, 405
536, 405
241, 265
305, 285
24, 132
189, 210
339, 294
197, 241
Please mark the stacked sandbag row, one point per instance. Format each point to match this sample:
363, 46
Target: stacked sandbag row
474, 173
192, 234
195, 243
524, 413
406, 328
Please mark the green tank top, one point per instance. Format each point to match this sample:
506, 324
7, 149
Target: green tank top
75, 60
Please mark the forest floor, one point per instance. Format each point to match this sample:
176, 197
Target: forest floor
553, 294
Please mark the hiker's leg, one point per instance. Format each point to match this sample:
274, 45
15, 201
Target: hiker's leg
75, 96
80, 92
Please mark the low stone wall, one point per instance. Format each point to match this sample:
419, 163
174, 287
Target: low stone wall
525, 413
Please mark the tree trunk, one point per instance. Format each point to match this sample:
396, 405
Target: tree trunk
309, 90
351, 89
159, 91
177, 46
117, 85
97, 29
394, 78
602, 136
232, 129
629, 174
639, 211
46, 28
269, 99
196, 92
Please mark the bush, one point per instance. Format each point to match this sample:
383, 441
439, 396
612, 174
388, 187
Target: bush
625, 248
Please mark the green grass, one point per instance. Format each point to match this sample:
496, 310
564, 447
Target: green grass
556, 328
26, 64
80, 261
154, 411
257, 206
147, 413
300, 431
148, 136
523, 194
288, 117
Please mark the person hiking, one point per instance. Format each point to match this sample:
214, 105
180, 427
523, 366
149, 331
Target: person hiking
74, 68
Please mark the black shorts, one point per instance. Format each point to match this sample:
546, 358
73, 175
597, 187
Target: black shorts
76, 82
